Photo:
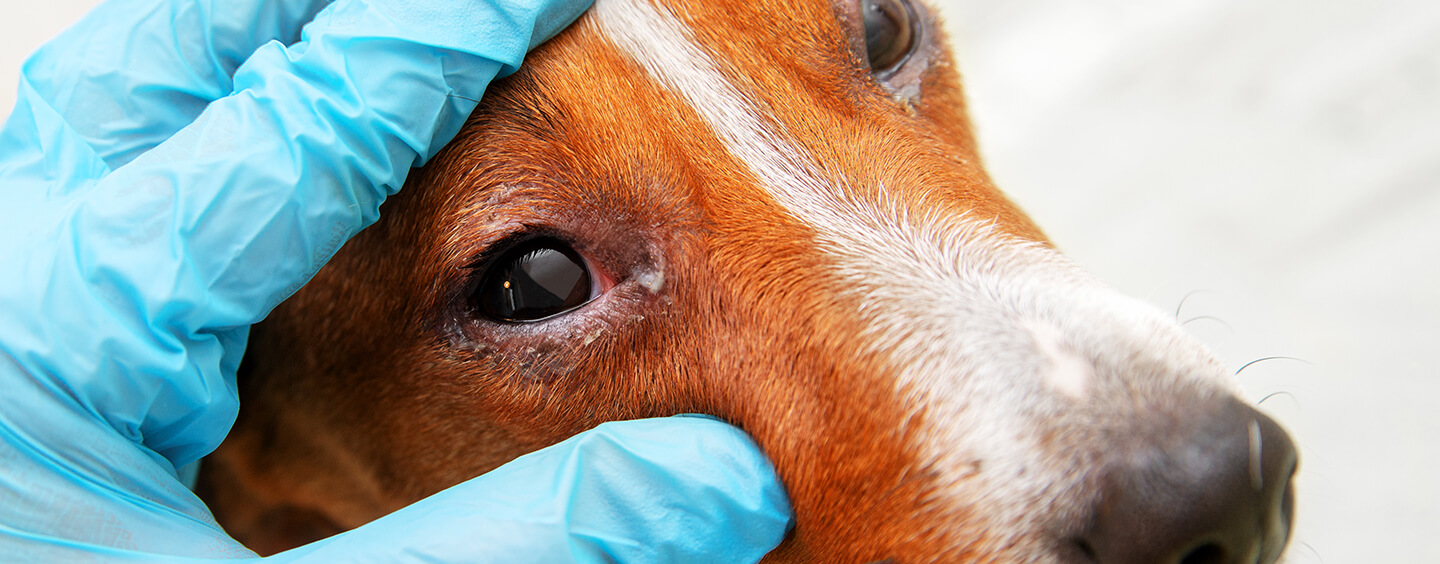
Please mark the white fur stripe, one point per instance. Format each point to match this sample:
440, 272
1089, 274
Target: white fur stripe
661, 43
983, 330
914, 279
907, 269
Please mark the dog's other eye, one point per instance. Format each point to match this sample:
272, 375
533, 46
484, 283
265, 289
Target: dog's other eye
891, 33
534, 281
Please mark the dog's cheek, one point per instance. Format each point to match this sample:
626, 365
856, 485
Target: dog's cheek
557, 381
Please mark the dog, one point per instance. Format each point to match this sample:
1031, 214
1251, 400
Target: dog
771, 212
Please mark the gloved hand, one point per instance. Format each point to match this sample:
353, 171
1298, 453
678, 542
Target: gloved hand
175, 168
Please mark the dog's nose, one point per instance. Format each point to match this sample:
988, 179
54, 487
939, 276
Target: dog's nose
1216, 493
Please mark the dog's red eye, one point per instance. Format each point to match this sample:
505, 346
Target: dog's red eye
534, 281
891, 33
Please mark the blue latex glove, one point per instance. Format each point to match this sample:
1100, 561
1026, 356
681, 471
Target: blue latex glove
175, 168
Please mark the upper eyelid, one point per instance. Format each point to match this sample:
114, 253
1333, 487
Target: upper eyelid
492, 251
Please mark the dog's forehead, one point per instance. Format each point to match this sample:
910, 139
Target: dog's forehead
755, 97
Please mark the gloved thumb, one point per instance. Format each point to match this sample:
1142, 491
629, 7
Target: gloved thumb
681, 489
677, 489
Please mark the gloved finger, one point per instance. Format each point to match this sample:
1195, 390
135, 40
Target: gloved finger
658, 490
131, 73
679, 489
152, 277
70, 488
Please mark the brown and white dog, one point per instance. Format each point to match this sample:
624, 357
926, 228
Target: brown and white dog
772, 212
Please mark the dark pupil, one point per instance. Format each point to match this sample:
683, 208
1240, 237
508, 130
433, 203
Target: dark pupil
533, 282
889, 33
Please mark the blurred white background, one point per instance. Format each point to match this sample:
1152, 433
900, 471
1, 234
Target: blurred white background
1276, 160
1282, 158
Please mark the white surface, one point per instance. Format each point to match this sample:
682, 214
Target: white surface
1282, 156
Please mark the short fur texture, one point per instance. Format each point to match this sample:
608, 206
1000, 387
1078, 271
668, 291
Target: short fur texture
795, 246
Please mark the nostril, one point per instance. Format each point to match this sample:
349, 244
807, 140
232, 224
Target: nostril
1083, 547
1208, 553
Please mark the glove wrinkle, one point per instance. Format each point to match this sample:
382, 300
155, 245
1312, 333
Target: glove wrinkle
173, 170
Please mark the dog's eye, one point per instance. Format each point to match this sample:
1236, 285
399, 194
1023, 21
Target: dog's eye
533, 281
891, 33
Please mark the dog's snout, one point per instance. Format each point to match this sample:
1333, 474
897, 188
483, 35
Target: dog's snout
1218, 492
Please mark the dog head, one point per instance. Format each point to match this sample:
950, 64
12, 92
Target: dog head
772, 212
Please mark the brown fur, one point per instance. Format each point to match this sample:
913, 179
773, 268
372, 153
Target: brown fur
374, 386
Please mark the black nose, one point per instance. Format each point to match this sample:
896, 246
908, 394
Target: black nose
1215, 492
